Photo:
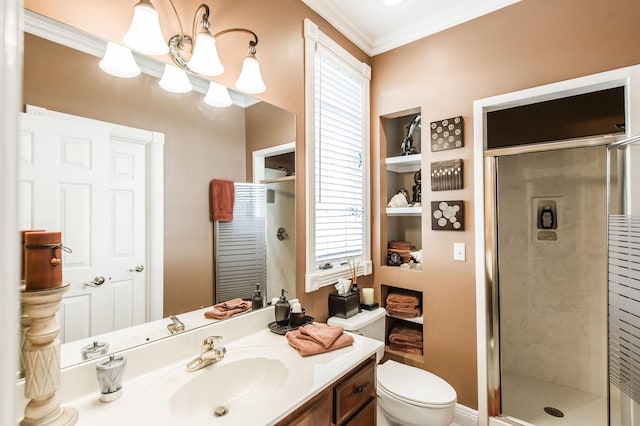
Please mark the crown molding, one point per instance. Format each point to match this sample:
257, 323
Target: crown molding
452, 15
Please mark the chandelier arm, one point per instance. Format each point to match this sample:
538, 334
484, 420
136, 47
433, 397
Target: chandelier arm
175, 44
204, 21
175, 12
252, 43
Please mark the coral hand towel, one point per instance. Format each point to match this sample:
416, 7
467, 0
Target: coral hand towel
222, 198
323, 334
307, 347
227, 309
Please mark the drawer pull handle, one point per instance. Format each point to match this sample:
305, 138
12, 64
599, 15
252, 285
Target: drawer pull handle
360, 389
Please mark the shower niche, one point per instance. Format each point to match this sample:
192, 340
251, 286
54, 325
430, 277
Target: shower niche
545, 218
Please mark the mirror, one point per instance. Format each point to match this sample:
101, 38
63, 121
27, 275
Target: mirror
200, 143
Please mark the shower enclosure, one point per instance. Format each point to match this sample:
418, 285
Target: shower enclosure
566, 293
552, 296
558, 269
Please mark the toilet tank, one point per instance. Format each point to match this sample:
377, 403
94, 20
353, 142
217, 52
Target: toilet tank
367, 323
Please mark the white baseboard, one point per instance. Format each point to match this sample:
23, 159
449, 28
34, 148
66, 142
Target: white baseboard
465, 416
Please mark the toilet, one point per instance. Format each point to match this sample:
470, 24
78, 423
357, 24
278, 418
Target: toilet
407, 396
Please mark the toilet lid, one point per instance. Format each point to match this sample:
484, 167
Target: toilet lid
414, 384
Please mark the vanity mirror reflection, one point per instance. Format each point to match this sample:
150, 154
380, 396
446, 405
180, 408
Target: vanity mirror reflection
201, 143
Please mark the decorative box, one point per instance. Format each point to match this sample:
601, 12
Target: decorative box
344, 306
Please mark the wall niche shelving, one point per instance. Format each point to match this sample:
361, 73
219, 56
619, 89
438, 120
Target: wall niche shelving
402, 223
412, 323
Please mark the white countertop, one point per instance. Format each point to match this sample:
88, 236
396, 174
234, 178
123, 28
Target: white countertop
168, 357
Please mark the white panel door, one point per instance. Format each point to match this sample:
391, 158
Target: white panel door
74, 179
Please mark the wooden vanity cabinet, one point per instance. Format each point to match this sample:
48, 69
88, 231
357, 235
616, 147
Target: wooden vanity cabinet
350, 401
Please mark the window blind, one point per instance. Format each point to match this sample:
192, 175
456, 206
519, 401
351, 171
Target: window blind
339, 168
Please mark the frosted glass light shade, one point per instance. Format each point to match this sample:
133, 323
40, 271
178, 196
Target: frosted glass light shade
205, 59
118, 61
250, 80
217, 95
175, 80
144, 34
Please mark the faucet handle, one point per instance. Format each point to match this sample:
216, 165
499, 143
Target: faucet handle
209, 343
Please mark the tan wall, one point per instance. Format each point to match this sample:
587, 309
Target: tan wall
531, 43
267, 126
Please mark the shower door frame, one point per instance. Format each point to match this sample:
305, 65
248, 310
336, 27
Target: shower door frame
488, 349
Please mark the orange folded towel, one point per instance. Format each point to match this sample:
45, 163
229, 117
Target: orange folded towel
406, 337
404, 348
323, 334
403, 305
306, 346
222, 194
228, 309
405, 299
404, 312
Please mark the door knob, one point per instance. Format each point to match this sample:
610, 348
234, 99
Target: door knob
137, 268
97, 281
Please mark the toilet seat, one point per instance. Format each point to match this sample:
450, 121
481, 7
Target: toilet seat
415, 386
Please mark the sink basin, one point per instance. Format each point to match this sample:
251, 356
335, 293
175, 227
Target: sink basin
241, 389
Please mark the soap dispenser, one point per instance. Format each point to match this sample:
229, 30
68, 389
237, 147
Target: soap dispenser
257, 302
283, 310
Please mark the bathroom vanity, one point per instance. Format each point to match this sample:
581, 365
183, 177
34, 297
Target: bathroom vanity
351, 400
260, 381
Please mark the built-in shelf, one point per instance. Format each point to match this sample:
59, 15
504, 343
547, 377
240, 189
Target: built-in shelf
404, 211
404, 357
404, 163
401, 268
278, 179
417, 320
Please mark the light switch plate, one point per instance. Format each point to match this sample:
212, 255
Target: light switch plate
459, 252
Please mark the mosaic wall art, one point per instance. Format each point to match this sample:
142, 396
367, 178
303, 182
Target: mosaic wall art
447, 134
446, 175
447, 215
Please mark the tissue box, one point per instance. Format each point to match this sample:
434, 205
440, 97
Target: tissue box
344, 306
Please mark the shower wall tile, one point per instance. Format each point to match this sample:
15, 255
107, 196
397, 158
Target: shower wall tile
553, 295
281, 255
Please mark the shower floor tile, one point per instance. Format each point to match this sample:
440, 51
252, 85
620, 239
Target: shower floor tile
524, 398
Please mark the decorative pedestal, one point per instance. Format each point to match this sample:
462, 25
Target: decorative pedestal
42, 360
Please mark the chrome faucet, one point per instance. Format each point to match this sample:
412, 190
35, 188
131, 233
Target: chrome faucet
209, 354
176, 325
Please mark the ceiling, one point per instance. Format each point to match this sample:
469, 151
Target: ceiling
376, 28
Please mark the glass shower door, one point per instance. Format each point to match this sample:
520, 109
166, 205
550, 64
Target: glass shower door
624, 282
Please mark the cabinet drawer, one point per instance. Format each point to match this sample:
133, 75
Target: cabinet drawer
366, 416
355, 391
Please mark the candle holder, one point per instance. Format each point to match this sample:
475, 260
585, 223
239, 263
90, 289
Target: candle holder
42, 360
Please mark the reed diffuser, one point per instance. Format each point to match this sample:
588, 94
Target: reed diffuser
353, 267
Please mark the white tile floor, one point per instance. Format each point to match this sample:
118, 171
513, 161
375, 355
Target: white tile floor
524, 398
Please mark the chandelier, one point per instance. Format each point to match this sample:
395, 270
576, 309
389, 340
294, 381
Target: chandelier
194, 53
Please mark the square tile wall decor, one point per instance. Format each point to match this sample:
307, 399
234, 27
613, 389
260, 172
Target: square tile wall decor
446, 175
447, 134
447, 215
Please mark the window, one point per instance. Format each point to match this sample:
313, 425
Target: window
337, 98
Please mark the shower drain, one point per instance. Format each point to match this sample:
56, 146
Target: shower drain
553, 412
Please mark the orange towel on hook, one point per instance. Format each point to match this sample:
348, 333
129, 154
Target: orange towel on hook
222, 194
